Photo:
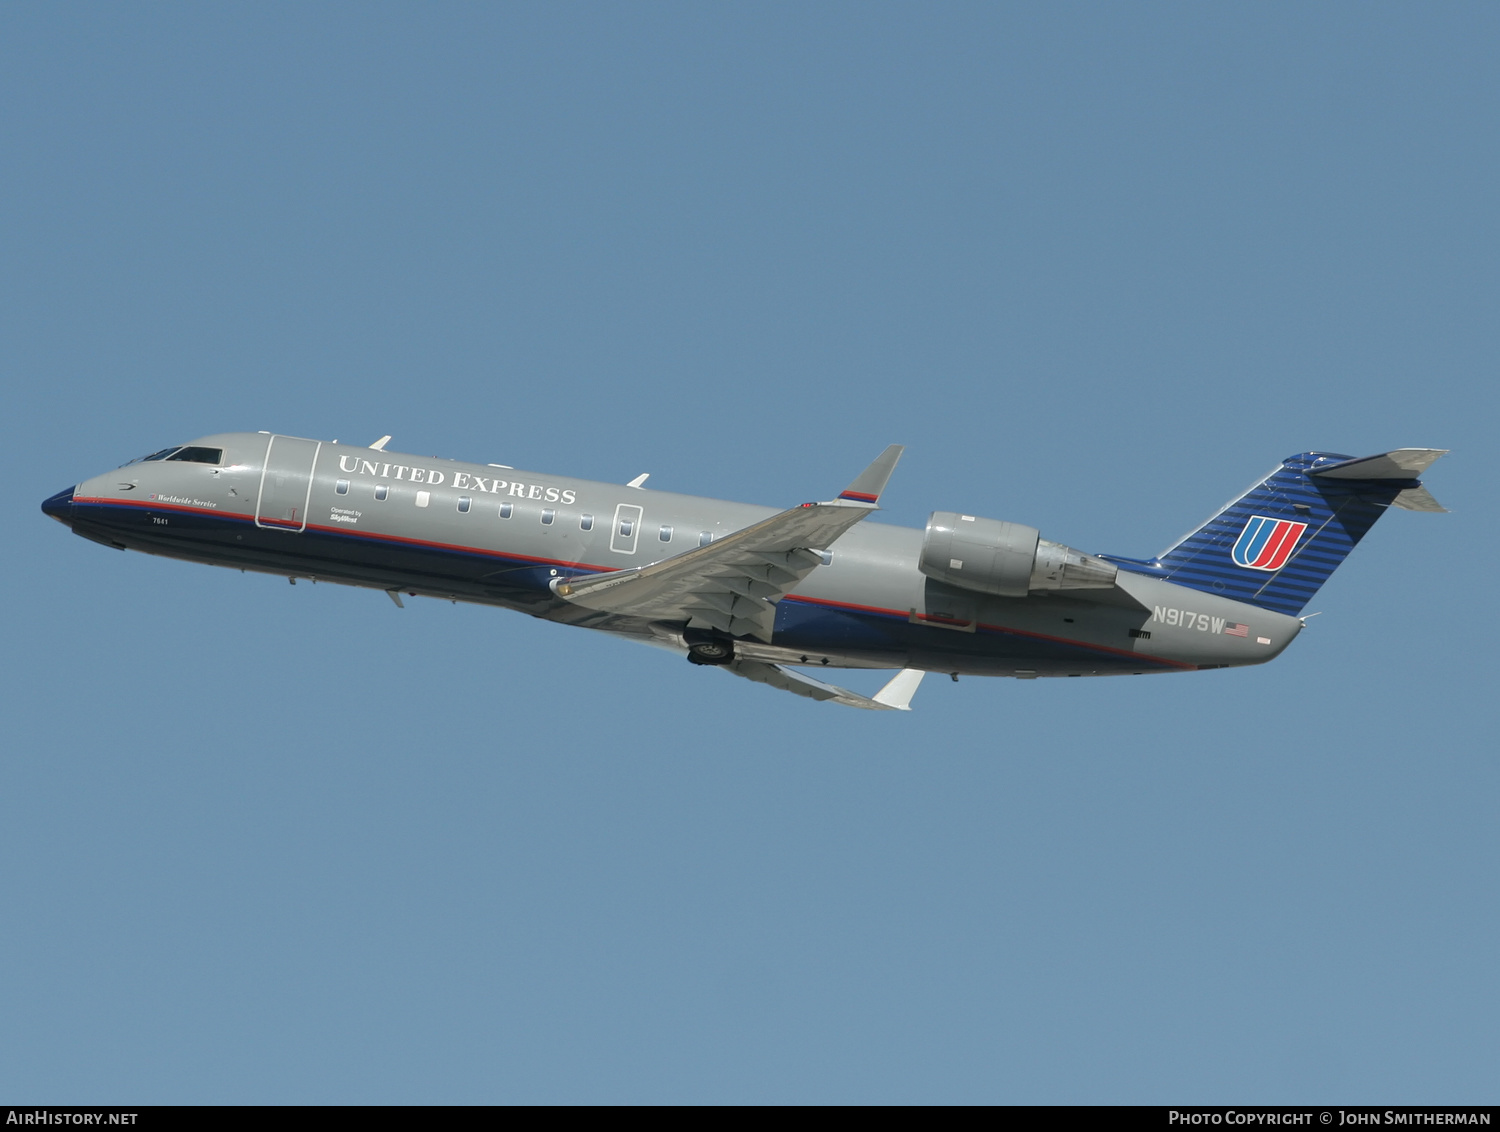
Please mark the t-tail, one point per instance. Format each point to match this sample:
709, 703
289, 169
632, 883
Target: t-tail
1275, 545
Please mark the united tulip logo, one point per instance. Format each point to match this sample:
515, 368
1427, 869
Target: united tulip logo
1266, 544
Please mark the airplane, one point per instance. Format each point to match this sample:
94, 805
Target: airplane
761, 593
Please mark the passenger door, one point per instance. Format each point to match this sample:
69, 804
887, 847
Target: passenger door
286, 483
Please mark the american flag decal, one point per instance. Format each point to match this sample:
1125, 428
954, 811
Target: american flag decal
1236, 630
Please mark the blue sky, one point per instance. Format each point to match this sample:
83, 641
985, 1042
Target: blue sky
1098, 266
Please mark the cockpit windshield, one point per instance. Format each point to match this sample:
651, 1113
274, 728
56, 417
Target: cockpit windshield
198, 455
190, 453
162, 455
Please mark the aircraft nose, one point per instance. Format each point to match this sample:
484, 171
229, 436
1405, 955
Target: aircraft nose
60, 506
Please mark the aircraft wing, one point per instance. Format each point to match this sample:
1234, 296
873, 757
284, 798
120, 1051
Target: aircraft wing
895, 696
733, 584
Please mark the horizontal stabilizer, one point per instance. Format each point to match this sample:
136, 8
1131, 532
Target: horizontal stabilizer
1417, 499
1402, 464
895, 696
868, 485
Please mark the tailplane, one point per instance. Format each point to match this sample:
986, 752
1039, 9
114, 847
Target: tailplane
1275, 545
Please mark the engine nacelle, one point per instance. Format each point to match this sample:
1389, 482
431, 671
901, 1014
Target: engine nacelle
1008, 559
979, 554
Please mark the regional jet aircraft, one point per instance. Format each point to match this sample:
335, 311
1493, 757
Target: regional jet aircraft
760, 593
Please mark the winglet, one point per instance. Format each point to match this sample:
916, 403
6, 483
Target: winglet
895, 696
868, 485
900, 689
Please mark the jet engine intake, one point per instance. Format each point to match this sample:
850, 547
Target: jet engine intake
1008, 559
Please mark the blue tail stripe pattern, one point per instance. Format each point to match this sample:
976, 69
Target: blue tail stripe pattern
1336, 513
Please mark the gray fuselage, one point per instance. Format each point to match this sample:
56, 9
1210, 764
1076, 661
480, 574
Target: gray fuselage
501, 536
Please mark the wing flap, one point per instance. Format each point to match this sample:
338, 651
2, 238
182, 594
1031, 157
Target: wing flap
749, 588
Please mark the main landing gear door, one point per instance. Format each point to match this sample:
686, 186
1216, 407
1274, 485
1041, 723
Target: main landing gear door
286, 483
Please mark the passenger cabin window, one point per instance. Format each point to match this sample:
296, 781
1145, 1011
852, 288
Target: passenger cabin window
665, 534
342, 487
382, 490
507, 510
826, 556
424, 498
626, 526
194, 455
585, 522
464, 502
548, 514
705, 537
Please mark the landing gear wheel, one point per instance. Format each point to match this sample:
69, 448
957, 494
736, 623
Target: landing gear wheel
711, 652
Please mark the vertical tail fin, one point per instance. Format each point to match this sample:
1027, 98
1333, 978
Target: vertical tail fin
1277, 544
